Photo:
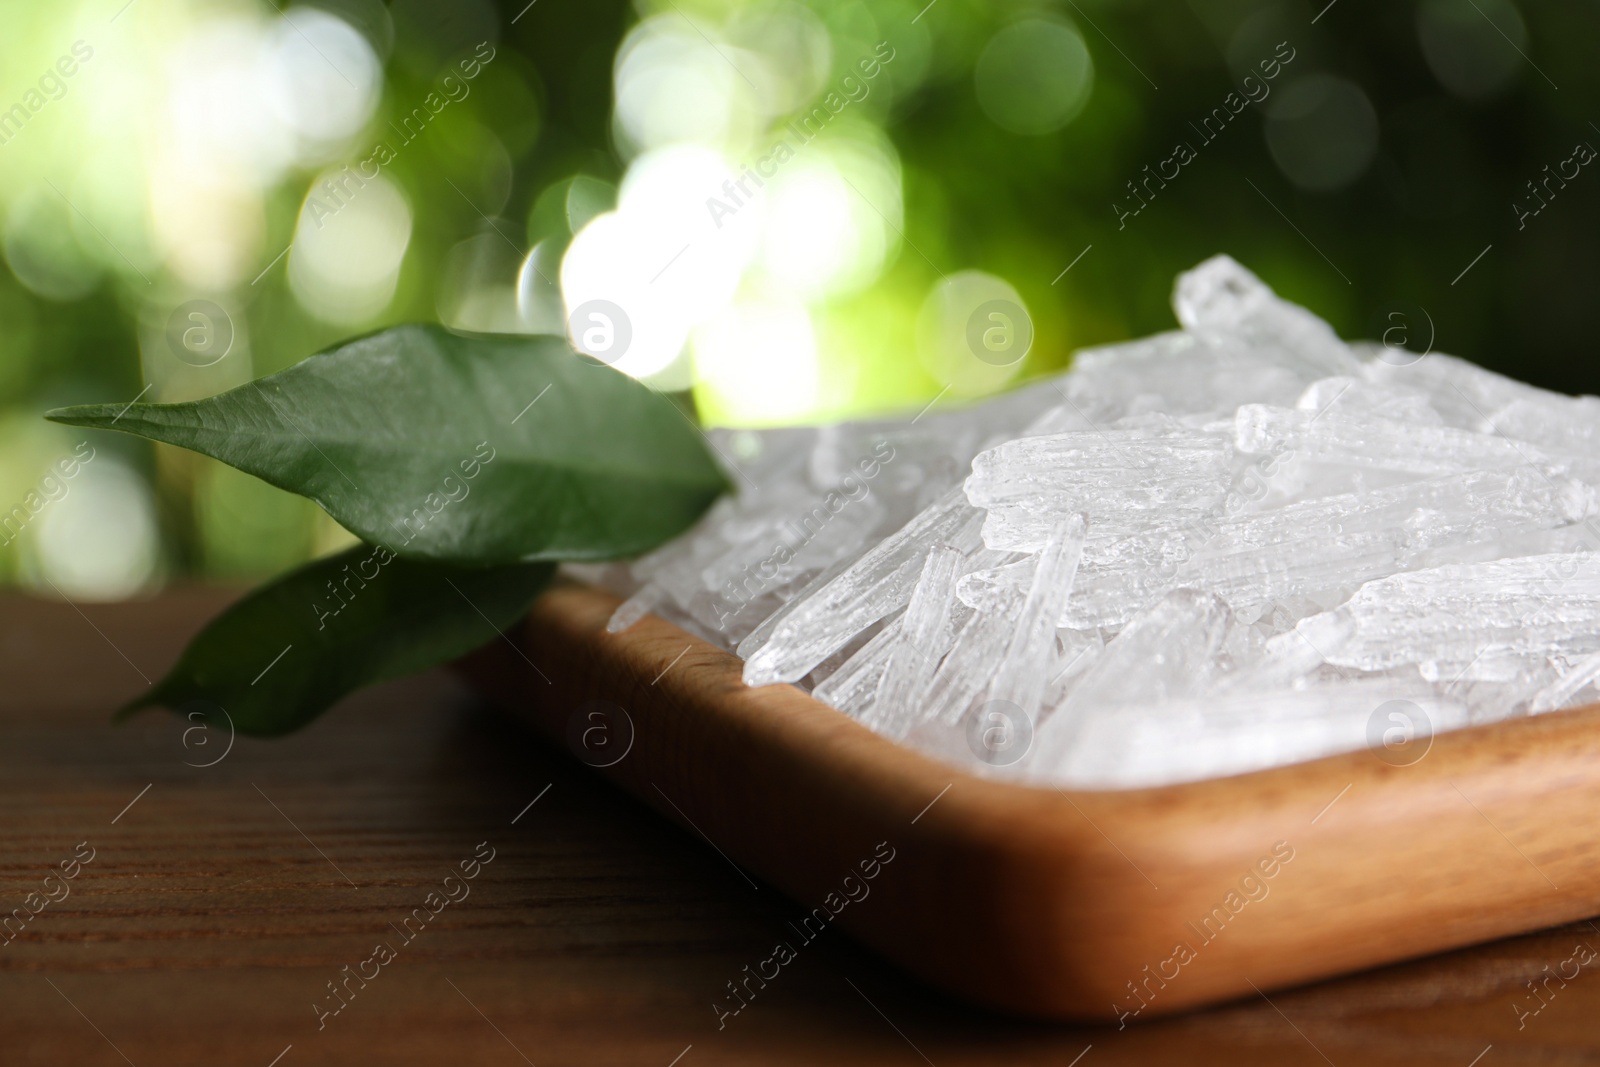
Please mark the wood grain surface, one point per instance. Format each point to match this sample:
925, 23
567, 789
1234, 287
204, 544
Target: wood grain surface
221, 900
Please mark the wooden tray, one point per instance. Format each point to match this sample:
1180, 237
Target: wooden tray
1081, 905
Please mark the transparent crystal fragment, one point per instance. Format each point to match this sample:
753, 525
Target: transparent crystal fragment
1119, 575
1339, 542
1178, 374
762, 633
1353, 393
806, 535
1284, 664
1076, 652
1502, 698
1466, 395
1169, 652
876, 584
1559, 693
925, 636
1382, 444
853, 688
1119, 477
635, 607
1184, 740
1321, 544
1219, 295
984, 589
1023, 673
979, 644
1560, 424
1477, 620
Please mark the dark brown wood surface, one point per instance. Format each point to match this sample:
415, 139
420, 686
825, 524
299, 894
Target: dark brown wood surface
221, 900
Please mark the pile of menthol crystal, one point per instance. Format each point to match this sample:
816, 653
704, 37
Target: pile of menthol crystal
1241, 544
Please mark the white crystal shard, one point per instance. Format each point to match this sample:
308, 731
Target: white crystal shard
1023, 673
1168, 653
1334, 436
1221, 296
1120, 477
1480, 619
1467, 396
854, 686
635, 608
979, 644
925, 636
878, 583
1559, 693
1313, 546
1357, 394
1178, 374
1564, 425
1225, 547
758, 637
758, 572
1182, 740
1339, 542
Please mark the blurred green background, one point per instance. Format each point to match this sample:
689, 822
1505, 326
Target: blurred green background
198, 192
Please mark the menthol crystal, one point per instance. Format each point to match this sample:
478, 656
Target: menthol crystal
923, 638
1229, 546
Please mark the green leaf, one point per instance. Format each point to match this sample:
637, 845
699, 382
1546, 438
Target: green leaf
281, 656
468, 449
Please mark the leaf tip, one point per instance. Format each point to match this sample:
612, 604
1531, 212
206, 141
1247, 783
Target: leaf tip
79, 415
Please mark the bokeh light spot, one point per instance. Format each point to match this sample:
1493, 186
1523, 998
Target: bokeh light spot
324, 79
1471, 46
351, 237
99, 541
945, 327
1034, 76
42, 251
829, 216
673, 84
1322, 132
761, 355
662, 256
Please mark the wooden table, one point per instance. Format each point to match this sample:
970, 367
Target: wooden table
221, 902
